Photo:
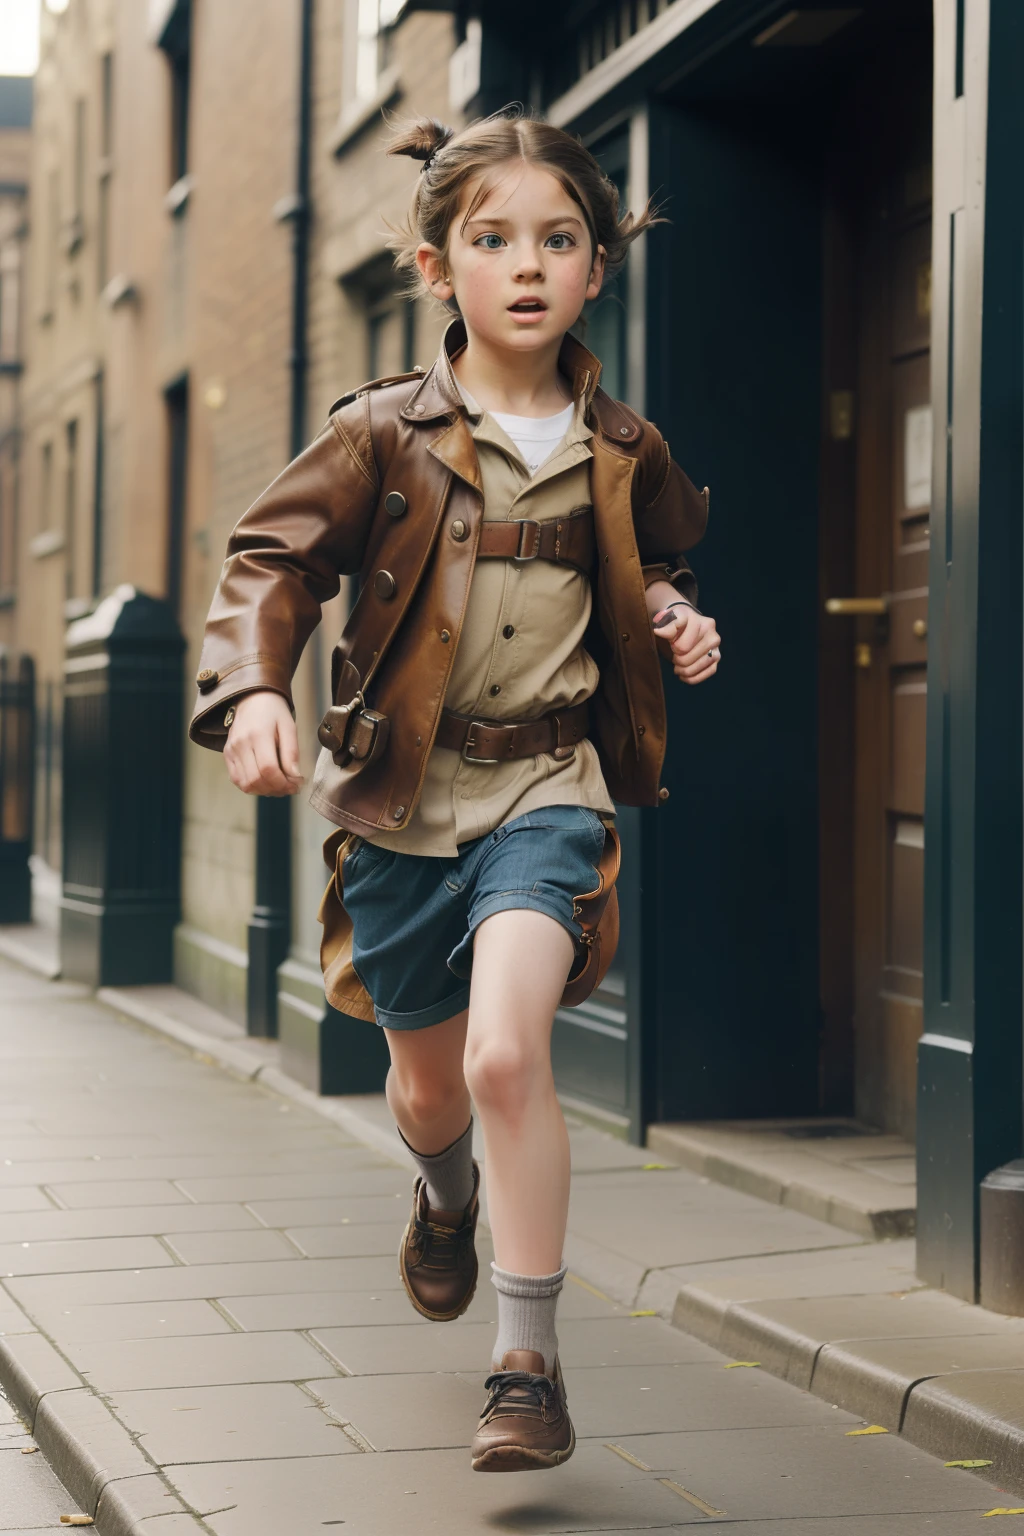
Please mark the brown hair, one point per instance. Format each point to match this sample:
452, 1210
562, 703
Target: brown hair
453, 159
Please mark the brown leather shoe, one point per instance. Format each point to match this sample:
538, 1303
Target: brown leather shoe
525, 1425
437, 1255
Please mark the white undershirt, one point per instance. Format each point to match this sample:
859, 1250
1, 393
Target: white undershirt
536, 437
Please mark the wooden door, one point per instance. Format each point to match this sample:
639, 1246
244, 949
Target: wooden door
877, 486
889, 655
889, 1001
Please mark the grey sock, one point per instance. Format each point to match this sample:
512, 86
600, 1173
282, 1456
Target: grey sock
448, 1174
526, 1314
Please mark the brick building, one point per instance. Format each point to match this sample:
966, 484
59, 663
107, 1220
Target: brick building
15, 150
161, 357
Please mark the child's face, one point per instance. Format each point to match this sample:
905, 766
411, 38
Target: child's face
522, 266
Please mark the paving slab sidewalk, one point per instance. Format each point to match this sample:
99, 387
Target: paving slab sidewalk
834, 1312
202, 1324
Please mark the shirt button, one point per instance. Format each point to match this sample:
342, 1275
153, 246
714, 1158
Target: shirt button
495, 689
508, 631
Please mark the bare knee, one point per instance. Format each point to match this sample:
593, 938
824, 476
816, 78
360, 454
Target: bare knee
424, 1096
504, 1076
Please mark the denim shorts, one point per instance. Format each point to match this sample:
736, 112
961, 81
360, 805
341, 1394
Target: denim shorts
414, 917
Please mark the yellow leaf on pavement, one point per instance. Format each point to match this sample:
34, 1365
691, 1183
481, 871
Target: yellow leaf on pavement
1002, 1512
872, 1429
647, 1312
742, 1365
655, 1167
968, 1464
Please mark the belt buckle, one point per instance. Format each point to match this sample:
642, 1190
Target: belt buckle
468, 744
524, 523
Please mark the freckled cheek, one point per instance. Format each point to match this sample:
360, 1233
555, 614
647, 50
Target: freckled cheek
475, 285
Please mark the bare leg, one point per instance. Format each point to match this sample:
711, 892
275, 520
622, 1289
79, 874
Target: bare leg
520, 962
426, 1088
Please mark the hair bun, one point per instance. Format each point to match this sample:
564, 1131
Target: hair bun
421, 139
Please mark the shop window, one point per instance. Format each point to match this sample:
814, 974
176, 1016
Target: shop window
9, 285
175, 39
369, 78
390, 337
176, 402
105, 170
45, 512
70, 503
604, 326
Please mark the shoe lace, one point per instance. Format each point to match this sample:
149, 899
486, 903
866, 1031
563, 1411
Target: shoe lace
519, 1392
436, 1241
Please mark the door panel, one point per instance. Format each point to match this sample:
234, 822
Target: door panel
906, 785
887, 138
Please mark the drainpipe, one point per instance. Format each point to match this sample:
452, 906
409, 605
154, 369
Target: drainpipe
270, 923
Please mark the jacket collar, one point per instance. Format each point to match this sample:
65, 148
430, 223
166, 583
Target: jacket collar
439, 394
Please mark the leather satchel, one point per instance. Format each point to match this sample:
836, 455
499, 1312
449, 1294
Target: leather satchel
598, 914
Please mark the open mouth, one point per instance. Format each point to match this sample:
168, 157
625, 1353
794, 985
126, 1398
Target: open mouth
528, 307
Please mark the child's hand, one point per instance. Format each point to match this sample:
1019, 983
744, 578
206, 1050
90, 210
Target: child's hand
262, 750
692, 642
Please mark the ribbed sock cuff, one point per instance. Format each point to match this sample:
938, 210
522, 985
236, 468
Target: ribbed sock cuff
526, 1314
533, 1286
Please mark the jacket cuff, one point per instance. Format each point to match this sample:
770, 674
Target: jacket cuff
219, 689
679, 575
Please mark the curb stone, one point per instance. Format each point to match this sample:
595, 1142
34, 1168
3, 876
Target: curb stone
90, 1451
946, 1416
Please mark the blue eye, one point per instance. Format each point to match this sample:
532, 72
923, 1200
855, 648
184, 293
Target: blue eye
490, 242
565, 242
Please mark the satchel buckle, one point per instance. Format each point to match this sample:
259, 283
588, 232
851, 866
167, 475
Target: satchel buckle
521, 556
334, 728
470, 743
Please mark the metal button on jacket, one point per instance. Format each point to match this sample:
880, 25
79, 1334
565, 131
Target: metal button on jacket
384, 584
395, 504
207, 679
459, 530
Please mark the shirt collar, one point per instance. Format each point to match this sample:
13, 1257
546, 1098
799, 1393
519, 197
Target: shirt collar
440, 395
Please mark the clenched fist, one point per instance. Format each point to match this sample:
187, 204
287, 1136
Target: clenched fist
262, 749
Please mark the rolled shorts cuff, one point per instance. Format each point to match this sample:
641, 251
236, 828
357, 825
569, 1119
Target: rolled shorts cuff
460, 961
423, 1018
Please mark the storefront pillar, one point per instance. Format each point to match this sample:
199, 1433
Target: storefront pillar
969, 1059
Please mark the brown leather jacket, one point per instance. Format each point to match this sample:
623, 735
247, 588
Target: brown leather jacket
377, 493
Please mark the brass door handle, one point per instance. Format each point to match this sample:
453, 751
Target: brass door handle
855, 605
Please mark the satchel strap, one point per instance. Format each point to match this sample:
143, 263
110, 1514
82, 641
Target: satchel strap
497, 741
565, 540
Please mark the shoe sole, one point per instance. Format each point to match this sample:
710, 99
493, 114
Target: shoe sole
435, 1317
517, 1458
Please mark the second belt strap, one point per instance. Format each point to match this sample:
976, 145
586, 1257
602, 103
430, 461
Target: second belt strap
499, 741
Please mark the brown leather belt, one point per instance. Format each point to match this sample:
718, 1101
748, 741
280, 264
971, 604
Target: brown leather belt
567, 540
494, 741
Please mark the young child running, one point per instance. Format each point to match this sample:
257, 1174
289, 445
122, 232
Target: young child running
519, 539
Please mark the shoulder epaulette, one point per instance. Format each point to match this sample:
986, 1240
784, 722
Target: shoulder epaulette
616, 420
364, 389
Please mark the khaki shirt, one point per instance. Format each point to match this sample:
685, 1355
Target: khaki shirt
520, 654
